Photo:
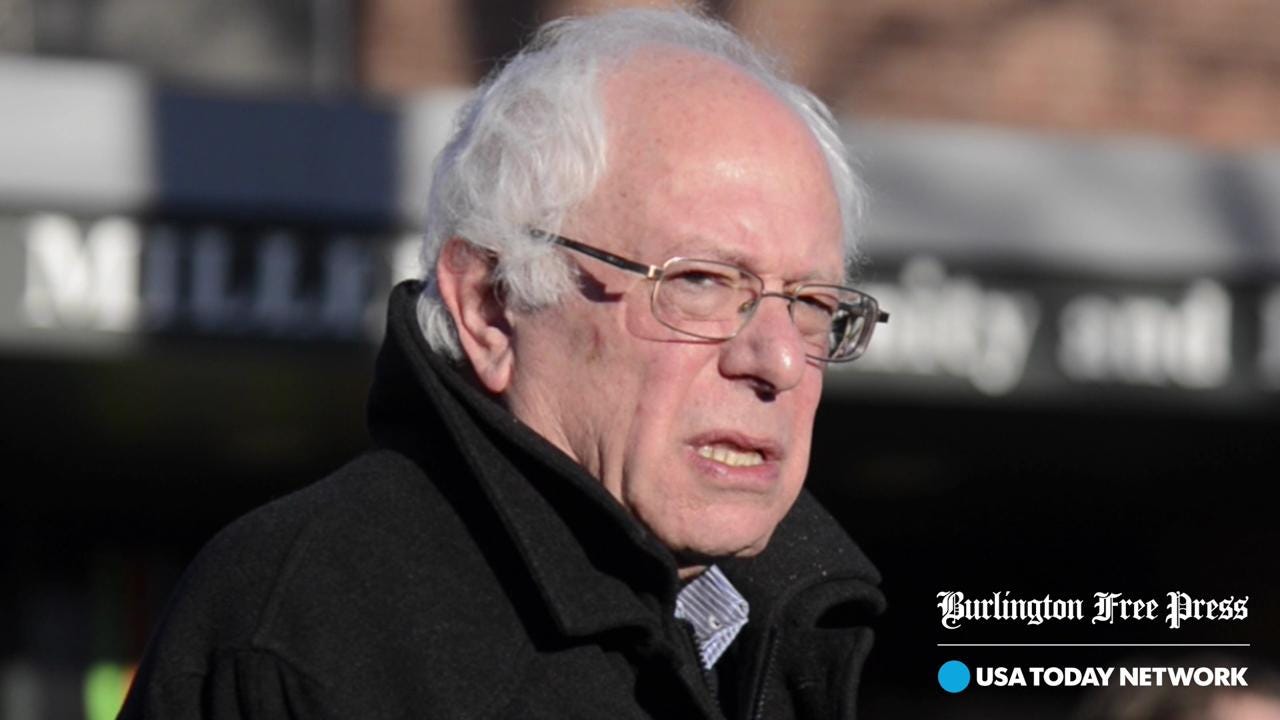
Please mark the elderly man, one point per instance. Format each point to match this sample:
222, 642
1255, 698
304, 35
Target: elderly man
593, 420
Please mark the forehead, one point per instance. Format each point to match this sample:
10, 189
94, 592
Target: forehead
704, 160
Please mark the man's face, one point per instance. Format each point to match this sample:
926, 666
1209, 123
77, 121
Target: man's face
705, 443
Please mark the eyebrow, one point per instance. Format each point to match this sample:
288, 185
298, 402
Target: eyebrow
703, 249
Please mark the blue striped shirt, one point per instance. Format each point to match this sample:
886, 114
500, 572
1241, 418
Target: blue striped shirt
715, 609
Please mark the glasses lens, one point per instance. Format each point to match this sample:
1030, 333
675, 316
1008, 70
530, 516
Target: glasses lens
815, 312
704, 298
712, 300
836, 321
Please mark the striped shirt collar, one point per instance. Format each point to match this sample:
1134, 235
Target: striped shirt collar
715, 609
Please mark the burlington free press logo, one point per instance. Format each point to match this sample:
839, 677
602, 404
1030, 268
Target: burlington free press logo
1179, 612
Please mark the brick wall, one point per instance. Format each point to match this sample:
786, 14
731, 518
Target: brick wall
1205, 70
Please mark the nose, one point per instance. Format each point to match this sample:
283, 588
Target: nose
769, 351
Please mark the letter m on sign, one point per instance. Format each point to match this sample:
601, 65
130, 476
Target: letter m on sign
88, 282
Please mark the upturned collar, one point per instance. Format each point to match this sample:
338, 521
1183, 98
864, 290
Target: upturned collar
597, 568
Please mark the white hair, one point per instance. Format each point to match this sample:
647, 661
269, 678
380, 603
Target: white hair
530, 145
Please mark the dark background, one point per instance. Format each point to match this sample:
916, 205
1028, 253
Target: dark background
1040, 150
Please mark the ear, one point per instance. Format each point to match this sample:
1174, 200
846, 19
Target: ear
465, 279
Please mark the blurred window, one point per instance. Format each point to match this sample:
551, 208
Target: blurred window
243, 44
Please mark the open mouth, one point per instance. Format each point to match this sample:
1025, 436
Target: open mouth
731, 456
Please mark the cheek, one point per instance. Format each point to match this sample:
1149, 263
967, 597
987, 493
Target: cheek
642, 326
661, 402
808, 394
671, 393
590, 342
629, 388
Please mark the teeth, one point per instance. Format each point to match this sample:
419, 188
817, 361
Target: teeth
729, 456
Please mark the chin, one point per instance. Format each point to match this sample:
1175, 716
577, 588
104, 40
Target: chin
722, 537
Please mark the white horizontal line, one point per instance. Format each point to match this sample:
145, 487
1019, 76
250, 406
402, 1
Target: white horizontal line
1094, 645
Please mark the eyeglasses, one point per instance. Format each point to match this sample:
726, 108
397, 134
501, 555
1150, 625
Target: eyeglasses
714, 300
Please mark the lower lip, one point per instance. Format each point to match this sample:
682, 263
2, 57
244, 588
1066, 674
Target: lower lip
753, 478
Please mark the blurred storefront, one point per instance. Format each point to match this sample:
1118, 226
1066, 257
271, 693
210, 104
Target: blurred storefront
199, 223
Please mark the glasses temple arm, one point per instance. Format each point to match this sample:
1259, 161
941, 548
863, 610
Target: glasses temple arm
649, 271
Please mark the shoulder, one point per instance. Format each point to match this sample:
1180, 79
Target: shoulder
360, 517
374, 576
337, 521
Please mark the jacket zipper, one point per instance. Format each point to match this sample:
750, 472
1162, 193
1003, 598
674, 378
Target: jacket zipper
770, 656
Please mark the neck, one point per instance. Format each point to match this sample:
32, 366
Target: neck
690, 572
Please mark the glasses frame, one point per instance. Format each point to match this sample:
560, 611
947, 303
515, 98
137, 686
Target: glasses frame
655, 273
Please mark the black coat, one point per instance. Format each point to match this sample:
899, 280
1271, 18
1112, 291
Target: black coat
468, 569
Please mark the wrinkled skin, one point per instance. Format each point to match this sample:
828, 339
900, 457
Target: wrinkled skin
703, 162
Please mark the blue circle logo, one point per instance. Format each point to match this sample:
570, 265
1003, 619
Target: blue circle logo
953, 676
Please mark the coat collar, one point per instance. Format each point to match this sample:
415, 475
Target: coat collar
596, 567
